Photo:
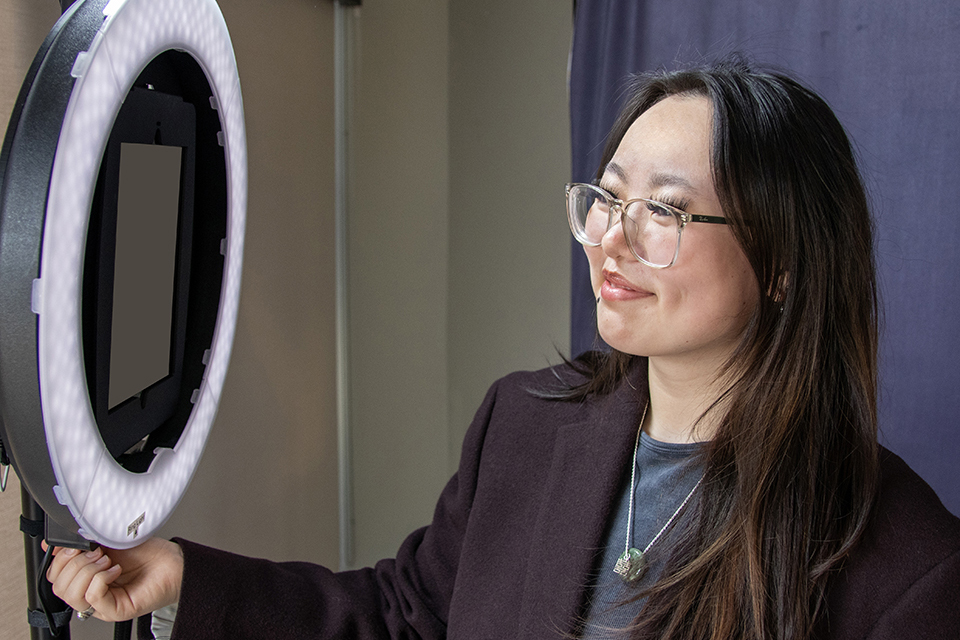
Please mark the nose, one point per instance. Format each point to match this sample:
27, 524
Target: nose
614, 241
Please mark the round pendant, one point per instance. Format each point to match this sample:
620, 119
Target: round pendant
631, 565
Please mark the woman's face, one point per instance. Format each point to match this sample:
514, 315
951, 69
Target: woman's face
696, 310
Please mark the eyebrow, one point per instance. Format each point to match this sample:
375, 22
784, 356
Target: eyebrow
657, 180
617, 170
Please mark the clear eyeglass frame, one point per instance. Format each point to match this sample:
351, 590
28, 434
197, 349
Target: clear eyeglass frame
617, 212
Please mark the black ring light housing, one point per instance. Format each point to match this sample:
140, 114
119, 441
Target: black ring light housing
120, 93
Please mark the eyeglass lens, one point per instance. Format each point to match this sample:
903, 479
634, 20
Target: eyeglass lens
650, 229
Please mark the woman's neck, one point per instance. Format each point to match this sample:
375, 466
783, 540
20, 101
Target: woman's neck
680, 393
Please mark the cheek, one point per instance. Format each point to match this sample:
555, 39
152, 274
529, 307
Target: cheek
734, 295
717, 289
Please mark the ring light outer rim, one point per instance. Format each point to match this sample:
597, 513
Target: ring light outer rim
111, 505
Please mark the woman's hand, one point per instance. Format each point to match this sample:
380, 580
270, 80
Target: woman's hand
119, 584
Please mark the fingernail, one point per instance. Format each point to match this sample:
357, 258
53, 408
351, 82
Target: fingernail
102, 560
93, 554
69, 553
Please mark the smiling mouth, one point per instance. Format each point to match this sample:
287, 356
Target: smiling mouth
619, 282
616, 288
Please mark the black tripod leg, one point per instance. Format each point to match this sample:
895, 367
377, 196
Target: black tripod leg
123, 630
33, 555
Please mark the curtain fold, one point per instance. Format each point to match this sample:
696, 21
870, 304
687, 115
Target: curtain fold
891, 71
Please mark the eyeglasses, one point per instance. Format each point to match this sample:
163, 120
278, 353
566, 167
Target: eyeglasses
652, 229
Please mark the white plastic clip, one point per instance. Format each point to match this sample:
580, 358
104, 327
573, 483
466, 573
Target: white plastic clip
81, 64
36, 297
4, 468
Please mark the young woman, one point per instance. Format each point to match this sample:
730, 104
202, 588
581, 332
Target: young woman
716, 474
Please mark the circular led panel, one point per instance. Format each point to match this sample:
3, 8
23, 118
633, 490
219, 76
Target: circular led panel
112, 505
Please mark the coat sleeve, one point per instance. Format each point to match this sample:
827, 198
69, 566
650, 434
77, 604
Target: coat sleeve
225, 595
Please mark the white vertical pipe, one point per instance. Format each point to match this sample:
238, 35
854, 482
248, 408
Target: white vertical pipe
345, 18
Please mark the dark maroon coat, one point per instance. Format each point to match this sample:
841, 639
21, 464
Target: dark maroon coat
515, 537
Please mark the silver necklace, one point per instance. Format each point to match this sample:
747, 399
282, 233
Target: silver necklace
632, 565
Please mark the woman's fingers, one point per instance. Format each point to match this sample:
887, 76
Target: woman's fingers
60, 559
65, 568
78, 575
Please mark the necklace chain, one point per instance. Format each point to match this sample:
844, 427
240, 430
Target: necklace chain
632, 565
633, 483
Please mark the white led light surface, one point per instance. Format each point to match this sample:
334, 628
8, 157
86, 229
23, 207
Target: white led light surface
113, 506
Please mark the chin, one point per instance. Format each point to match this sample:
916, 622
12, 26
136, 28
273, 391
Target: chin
617, 340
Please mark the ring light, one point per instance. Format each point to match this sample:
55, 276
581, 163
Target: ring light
107, 51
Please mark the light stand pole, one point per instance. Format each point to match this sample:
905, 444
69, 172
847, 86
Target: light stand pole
33, 525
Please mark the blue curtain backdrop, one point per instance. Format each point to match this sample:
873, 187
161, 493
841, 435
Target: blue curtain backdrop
891, 71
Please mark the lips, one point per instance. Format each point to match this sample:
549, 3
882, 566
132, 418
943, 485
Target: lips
616, 287
618, 281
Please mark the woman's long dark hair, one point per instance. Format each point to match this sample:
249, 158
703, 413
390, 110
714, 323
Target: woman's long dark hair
791, 472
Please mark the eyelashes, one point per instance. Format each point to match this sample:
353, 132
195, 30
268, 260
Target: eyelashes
676, 202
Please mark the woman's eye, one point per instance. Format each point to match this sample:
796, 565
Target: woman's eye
656, 209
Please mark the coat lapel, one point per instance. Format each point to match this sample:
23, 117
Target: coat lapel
590, 463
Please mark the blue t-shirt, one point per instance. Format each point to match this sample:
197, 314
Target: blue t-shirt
665, 475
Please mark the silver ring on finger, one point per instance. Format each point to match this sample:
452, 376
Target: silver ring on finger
86, 613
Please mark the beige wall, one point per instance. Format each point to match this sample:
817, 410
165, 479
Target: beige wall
451, 97
398, 228
459, 253
509, 159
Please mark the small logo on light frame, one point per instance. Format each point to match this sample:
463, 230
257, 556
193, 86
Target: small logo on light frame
134, 527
